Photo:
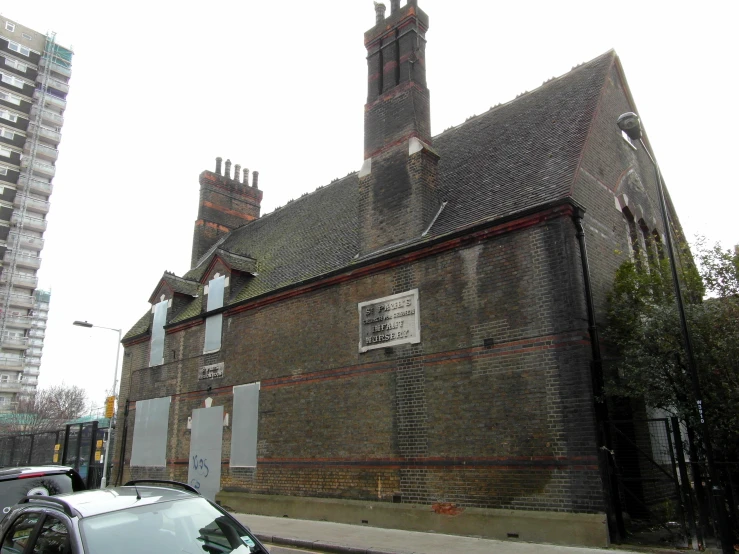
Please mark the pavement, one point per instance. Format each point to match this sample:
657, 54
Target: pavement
295, 536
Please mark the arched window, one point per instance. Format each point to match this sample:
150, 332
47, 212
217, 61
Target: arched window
632, 237
649, 246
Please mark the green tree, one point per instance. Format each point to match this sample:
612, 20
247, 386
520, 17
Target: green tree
644, 327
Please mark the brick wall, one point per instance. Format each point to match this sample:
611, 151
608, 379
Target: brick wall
492, 409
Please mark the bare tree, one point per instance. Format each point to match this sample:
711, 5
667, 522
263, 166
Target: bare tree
47, 409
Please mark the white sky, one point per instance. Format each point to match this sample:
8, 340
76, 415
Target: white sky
159, 89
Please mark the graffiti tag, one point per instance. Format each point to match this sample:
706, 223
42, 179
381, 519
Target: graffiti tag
200, 465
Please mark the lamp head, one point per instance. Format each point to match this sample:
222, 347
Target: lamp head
629, 123
82, 324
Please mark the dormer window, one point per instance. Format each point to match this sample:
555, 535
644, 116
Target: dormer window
156, 354
214, 323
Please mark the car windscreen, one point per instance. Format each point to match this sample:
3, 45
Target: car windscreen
12, 490
190, 525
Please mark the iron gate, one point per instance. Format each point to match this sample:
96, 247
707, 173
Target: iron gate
654, 484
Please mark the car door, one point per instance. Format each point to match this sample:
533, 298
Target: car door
37, 533
19, 535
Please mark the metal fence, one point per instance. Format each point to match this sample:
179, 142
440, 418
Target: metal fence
656, 492
663, 494
78, 445
31, 449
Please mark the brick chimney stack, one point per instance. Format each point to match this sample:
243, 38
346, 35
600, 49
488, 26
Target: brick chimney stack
397, 186
225, 204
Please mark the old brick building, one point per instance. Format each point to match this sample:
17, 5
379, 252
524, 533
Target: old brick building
408, 345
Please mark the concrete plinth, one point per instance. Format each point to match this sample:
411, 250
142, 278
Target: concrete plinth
529, 526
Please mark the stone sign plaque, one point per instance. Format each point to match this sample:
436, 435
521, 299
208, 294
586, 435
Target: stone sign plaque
389, 321
210, 371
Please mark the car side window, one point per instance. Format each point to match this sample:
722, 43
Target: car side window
19, 534
53, 538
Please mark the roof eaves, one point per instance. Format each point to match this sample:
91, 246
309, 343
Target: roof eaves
399, 250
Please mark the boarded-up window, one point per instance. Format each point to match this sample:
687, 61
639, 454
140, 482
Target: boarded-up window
205, 451
214, 323
156, 355
150, 433
244, 428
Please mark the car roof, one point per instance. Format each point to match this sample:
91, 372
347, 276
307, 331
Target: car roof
100, 501
13, 472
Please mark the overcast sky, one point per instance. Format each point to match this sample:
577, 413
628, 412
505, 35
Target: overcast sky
159, 89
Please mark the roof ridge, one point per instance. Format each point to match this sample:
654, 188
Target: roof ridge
291, 202
172, 274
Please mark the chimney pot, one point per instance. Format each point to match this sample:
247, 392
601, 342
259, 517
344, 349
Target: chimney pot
228, 169
237, 172
380, 12
246, 176
394, 6
255, 180
218, 165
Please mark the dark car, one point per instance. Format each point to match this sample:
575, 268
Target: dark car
17, 482
140, 518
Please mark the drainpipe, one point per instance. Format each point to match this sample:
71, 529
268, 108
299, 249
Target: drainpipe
610, 484
119, 479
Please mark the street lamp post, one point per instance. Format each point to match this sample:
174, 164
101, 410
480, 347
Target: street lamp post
630, 124
104, 481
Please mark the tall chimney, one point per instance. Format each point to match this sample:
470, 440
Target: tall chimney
225, 205
398, 180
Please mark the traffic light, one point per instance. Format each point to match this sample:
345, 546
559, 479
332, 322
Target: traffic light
109, 406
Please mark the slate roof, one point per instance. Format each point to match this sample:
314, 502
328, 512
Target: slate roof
512, 158
520, 154
140, 327
308, 237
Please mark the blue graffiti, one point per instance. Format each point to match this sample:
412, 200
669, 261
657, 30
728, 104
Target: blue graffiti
200, 465
195, 484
